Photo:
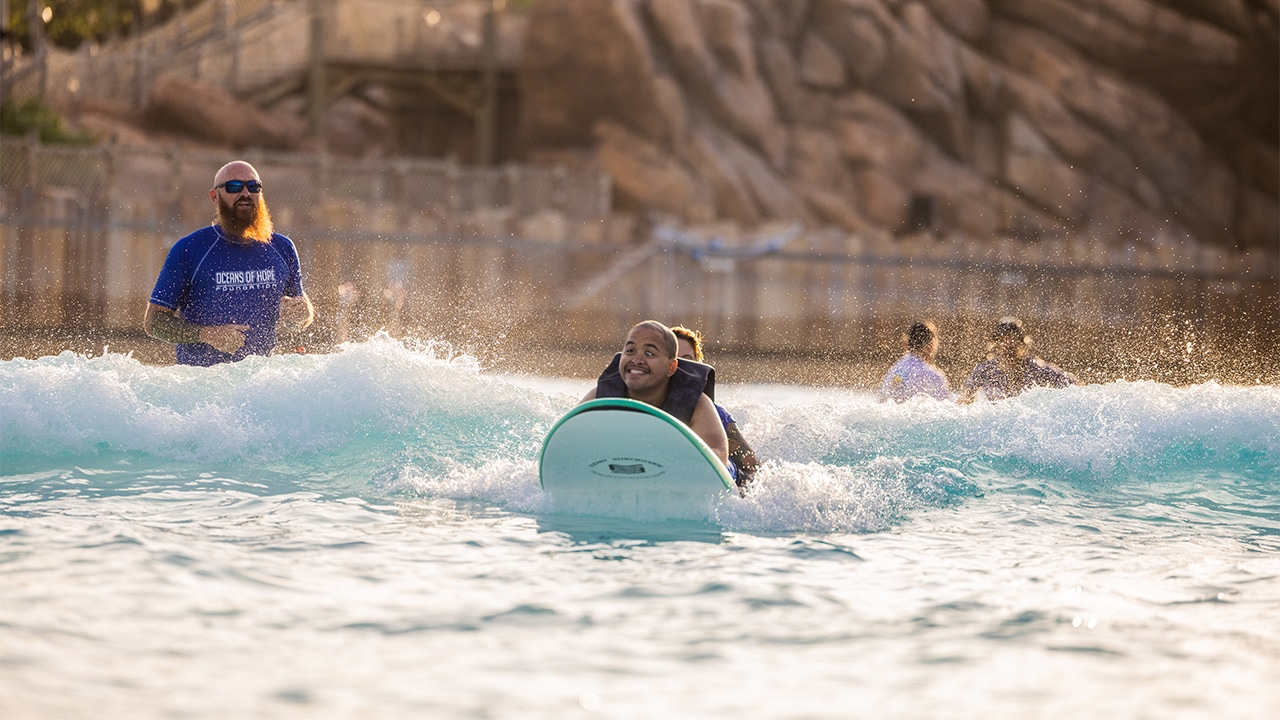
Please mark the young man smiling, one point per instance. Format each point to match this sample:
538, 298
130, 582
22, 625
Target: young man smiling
648, 370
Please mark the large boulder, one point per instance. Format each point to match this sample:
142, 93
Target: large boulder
1113, 119
586, 61
713, 54
647, 177
210, 113
1154, 134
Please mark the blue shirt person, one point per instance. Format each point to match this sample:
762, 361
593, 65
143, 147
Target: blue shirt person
225, 288
743, 462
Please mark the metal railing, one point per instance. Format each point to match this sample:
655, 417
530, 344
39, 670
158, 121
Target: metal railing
242, 45
119, 179
210, 41
429, 248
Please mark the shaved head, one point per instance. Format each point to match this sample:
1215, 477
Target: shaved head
669, 342
235, 170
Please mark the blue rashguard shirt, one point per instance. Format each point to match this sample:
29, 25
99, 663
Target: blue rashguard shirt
209, 280
996, 384
725, 420
725, 417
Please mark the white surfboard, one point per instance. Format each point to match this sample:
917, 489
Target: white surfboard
619, 456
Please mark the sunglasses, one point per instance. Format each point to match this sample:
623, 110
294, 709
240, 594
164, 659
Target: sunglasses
234, 187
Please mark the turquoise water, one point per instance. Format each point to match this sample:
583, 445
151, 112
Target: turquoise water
361, 534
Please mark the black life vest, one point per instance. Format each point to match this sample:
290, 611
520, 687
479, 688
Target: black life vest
691, 381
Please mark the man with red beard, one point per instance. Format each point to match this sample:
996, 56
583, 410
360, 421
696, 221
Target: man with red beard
648, 370
224, 288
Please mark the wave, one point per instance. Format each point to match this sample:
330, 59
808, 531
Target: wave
389, 418
290, 407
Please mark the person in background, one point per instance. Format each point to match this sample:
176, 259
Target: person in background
1010, 367
914, 373
225, 288
648, 370
740, 453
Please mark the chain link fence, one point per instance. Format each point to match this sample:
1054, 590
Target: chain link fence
121, 180
498, 255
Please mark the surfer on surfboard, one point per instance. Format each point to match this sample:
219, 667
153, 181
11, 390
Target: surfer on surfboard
648, 370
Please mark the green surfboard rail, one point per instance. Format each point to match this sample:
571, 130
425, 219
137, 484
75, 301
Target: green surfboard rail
641, 407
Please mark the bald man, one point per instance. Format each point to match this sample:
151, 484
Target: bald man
225, 288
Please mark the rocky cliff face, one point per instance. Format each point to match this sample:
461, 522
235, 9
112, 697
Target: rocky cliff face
1120, 120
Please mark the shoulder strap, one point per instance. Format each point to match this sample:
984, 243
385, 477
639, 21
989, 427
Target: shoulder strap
610, 384
697, 374
691, 380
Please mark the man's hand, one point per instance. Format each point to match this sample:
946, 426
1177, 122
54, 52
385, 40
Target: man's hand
161, 322
296, 313
227, 338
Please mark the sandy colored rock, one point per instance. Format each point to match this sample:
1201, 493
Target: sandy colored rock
836, 209
209, 112
816, 159
732, 197
584, 61
859, 29
796, 103
820, 64
873, 133
1138, 33
883, 200
1149, 116
967, 19
647, 177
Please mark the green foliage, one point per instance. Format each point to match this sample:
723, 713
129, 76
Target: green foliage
23, 118
72, 22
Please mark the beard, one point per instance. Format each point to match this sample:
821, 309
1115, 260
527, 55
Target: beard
248, 219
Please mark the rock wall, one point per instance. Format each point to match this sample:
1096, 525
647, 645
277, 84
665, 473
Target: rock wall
1120, 120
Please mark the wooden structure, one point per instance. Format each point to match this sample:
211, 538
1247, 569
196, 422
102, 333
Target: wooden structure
442, 72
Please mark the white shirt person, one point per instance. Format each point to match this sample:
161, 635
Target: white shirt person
914, 373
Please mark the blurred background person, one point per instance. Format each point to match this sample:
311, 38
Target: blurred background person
1011, 367
915, 373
